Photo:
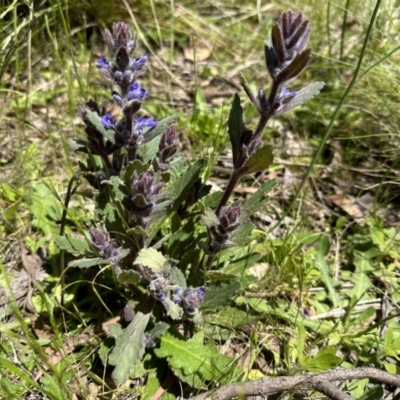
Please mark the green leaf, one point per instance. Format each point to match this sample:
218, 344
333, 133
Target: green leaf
257, 200
160, 328
321, 250
182, 181
128, 348
324, 360
209, 218
152, 259
218, 296
118, 187
78, 145
211, 200
72, 244
242, 235
290, 315
230, 317
178, 278
88, 262
195, 362
129, 276
392, 368
236, 126
238, 265
259, 161
46, 208
95, 120
173, 310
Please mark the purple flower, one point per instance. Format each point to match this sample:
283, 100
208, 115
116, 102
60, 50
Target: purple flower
284, 97
138, 62
201, 291
104, 63
136, 92
141, 123
109, 121
146, 122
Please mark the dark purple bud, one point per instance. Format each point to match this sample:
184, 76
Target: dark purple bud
229, 217
109, 121
114, 256
121, 37
118, 76
145, 185
159, 286
192, 299
128, 76
104, 63
168, 145
289, 40
295, 30
118, 99
106, 73
168, 138
101, 241
122, 58
271, 59
136, 92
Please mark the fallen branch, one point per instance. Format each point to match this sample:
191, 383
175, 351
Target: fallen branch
322, 382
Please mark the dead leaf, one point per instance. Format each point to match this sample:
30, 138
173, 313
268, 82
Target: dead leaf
348, 205
199, 51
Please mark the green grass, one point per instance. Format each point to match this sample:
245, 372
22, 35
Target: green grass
321, 257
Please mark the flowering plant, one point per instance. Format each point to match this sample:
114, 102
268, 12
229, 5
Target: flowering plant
178, 252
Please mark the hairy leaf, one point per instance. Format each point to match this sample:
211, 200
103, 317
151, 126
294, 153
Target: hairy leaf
152, 259
242, 235
257, 200
72, 244
173, 310
129, 276
230, 317
301, 97
196, 362
88, 262
182, 181
259, 161
129, 348
218, 296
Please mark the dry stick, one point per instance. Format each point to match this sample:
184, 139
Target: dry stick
320, 382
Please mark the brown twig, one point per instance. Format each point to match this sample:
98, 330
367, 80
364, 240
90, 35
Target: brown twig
320, 382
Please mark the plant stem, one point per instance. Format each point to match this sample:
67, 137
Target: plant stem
228, 191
